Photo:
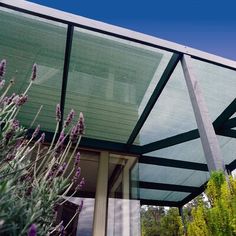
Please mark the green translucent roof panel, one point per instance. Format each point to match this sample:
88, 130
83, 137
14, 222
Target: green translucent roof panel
187, 151
25, 40
218, 85
172, 113
169, 175
110, 81
162, 195
228, 146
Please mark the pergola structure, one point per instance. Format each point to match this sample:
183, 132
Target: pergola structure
169, 105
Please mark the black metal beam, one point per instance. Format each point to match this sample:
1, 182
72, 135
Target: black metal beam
167, 187
69, 38
97, 144
155, 95
231, 166
194, 134
225, 115
231, 123
193, 195
173, 163
159, 203
171, 141
228, 133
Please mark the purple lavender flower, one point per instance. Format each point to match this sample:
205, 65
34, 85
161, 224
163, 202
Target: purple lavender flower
74, 134
77, 159
58, 113
61, 137
78, 129
80, 207
36, 131
34, 72
77, 175
4, 100
15, 124
82, 183
81, 124
2, 68
20, 100
42, 138
59, 146
69, 118
61, 169
32, 230
12, 130
62, 231
9, 100
9, 134
10, 156
2, 83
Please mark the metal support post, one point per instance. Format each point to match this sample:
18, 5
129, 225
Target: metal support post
208, 137
99, 223
182, 218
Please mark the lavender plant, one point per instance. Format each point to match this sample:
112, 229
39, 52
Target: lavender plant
35, 178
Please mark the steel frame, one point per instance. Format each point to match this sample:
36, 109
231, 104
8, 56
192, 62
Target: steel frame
223, 124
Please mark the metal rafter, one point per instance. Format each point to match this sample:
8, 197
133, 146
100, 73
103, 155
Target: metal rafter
167, 187
231, 123
173, 163
159, 203
225, 115
171, 141
187, 165
69, 38
193, 195
155, 95
228, 133
218, 125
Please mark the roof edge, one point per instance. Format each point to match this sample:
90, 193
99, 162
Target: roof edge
117, 31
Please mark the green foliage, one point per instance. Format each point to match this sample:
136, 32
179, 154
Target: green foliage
150, 220
171, 223
218, 217
157, 221
212, 214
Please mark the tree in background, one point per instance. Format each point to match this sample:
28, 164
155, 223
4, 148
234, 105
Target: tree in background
171, 223
218, 217
157, 221
210, 214
151, 217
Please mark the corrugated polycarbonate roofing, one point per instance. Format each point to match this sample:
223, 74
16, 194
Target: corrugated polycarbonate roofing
131, 89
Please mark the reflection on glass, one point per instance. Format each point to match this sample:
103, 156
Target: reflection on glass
123, 217
26, 40
111, 80
89, 169
172, 175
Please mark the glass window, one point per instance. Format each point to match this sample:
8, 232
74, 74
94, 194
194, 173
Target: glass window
123, 217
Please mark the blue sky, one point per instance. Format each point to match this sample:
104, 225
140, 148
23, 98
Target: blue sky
207, 25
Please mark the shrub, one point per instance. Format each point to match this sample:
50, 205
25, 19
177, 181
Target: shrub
35, 178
